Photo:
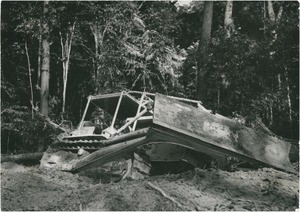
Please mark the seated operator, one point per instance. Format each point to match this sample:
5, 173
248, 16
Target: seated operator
99, 121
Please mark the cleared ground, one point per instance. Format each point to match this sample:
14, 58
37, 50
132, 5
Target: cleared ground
30, 188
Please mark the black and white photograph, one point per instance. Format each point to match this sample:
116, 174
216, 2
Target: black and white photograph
179, 105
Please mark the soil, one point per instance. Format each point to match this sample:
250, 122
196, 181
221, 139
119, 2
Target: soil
33, 188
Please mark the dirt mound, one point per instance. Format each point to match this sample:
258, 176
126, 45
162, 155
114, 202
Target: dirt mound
12, 167
59, 159
44, 190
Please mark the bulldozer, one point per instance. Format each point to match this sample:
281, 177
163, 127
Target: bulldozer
164, 128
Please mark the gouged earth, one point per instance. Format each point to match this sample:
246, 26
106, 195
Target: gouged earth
31, 188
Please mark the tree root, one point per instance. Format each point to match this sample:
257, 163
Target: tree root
149, 184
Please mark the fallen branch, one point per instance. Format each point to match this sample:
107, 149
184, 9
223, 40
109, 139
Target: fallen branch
22, 157
49, 121
54, 124
164, 194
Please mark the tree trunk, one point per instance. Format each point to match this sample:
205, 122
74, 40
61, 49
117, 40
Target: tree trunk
30, 81
279, 81
272, 16
65, 54
22, 157
271, 115
207, 23
288, 98
98, 40
45, 69
229, 28
279, 14
8, 136
96, 55
39, 58
264, 20
274, 19
218, 100
204, 41
228, 21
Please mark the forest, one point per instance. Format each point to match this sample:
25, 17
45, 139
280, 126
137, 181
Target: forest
241, 59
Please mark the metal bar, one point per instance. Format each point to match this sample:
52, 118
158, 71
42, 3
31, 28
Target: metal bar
139, 92
117, 109
149, 99
147, 94
125, 137
138, 110
131, 121
173, 97
145, 103
84, 113
102, 96
185, 100
131, 97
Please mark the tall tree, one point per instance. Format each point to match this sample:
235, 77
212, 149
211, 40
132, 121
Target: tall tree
151, 59
30, 80
229, 28
106, 24
274, 18
275, 21
204, 41
39, 54
66, 45
228, 20
45, 69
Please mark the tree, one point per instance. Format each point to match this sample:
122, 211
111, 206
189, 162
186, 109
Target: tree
228, 20
203, 44
30, 79
274, 20
104, 26
229, 29
151, 59
45, 69
66, 46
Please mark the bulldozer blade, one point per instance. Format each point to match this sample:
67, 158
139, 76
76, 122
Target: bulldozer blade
213, 134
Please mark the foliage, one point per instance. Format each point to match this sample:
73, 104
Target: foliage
23, 132
151, 62
242, 71
152, 46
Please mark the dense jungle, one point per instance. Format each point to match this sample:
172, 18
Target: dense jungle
241, 59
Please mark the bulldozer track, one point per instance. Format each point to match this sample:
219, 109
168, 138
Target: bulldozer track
79, 144
82, 141
89, 143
